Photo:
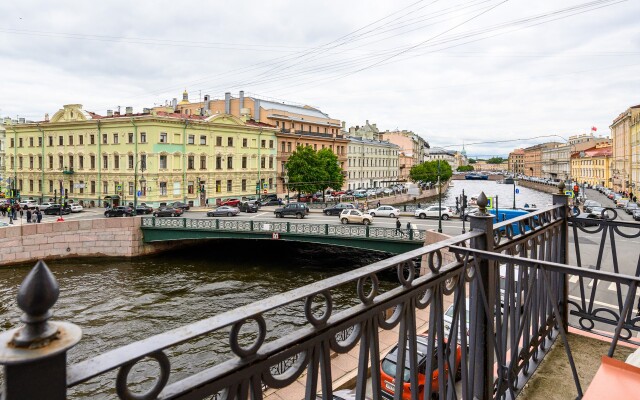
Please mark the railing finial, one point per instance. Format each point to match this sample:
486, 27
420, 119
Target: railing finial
37, 294
561, 187
482, 204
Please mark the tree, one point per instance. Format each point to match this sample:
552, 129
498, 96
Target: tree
428, 171
465, 168
310, 171
495, 160
472, 161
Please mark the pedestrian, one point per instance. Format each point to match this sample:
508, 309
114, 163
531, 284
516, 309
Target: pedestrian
39, 216
408, 227
21, 212
399, 227
28, 216
419, 205
378, 204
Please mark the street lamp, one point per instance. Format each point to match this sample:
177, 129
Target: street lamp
439, 201
135, 184
514, 192
286, 183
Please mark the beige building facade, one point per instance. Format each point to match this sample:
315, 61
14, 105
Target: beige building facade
516, 162
621, 164
593, 166
413, 149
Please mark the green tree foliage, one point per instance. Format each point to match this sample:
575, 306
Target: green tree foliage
495, 160
465, 168
472, 161
310, 171
428, 171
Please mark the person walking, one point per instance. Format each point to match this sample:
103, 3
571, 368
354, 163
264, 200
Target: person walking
21, 209
378, 204
10, 214
408, 227
399, 227
28, 216
38, 215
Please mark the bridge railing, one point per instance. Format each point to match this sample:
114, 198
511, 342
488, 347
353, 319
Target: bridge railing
299, 228
491, 339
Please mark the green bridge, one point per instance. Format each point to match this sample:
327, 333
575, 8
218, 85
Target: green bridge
357, 236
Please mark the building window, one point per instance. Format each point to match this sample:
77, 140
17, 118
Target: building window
131, 188
143, 137
263, 162
270, 162
191, 139
143, 161
70, 140
230, 142
203, 139
80, 139
116, 161
39, 162
244, 185
229, 162
30, 162
218, 186
93, 187
218, 140
60, 162
30, 142
163, 162
203, 162
60, 141
105, 161
92, 139
105, 187
190, 162
263, 143
244, 162
218, 162
130, 137
50, 186
245, 142
115, 138
70, 186
163, 188
163, 137
270, 183
50, 162
20, 162
289, 147
229, 185
50, 141
130, 159
92, 162
190, 187
104, 138
271, 144
71, 163
283, 144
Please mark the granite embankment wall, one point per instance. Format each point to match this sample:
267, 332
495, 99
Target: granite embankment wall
543, 187
113, 237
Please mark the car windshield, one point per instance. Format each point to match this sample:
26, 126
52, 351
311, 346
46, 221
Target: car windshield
449, 312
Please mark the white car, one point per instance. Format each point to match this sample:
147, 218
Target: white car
32, 204
76, 208
448, 321
384, 211
46, 205
433, 212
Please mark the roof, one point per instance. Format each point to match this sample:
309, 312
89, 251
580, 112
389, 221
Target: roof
372, 142
306, 110
594, 152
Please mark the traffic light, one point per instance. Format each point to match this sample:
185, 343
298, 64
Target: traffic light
464, 201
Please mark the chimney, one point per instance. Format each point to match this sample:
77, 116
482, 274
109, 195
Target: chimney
241, 99
174, 103
21, 120
227, 103
256, 112
109, 113
146, 111
46, 117
207, 101
344, 125
129, 110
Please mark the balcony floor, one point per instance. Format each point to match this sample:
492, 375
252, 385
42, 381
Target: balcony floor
553, 379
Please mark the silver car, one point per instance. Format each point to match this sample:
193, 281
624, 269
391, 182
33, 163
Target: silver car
384, 211
223, 211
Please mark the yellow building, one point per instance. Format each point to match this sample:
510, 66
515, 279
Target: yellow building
593, 166
162, 156
635, 153
622, 152
516, 162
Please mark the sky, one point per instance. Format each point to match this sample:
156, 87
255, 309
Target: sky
493, 75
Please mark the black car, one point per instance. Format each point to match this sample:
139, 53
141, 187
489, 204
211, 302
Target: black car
54, 209
180, 205
337, 209
119, 211
298, 210
168, 212
250, 206
143, 209
269, 202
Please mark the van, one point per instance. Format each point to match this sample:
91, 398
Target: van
506, 214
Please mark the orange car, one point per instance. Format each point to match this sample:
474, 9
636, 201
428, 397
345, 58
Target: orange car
388, 370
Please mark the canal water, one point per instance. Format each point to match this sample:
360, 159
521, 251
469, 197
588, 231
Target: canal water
504, 193
116, 302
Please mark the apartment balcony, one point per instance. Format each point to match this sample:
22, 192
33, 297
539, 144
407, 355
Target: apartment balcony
515, 303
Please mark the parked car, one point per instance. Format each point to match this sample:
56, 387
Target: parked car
54, 209
448, 322
45, 205
630, 208
384, 211
233, 202
221, 211
31, 204
344, 394
586, 219
250, 206
168, 212
622, 203
388, 368
338, 208
269, 202
355, 217
589, 204
433, 212
143, 209
636, 214
468, 211
299, 210
119, 211
76, 208
180, 205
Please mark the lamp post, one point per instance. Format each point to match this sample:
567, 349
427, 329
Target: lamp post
439, 201
286, 183
135, 184
514, 192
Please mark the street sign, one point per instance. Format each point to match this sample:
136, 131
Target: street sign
275, 235
517, 191
118, 188
265, 185
265, 191
490, 202
139, 193
569, 193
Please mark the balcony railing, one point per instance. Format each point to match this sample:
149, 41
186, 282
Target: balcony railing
509, 328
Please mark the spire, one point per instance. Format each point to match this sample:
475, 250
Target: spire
185, 97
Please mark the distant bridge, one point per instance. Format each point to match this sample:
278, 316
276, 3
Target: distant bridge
357, 236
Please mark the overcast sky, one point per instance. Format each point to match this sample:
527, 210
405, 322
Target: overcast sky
453, 71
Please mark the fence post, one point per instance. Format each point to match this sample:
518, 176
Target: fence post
483, 329
563, 250
35, 355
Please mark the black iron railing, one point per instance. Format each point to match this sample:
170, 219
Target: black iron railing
513, 318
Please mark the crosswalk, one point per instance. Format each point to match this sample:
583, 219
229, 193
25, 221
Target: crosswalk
611, 286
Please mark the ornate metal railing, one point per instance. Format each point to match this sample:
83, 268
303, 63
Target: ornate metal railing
490, 327
296, 228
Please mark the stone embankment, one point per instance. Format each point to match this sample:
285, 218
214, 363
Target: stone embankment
542, 187
113, 237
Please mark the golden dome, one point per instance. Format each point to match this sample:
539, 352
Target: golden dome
185, 98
